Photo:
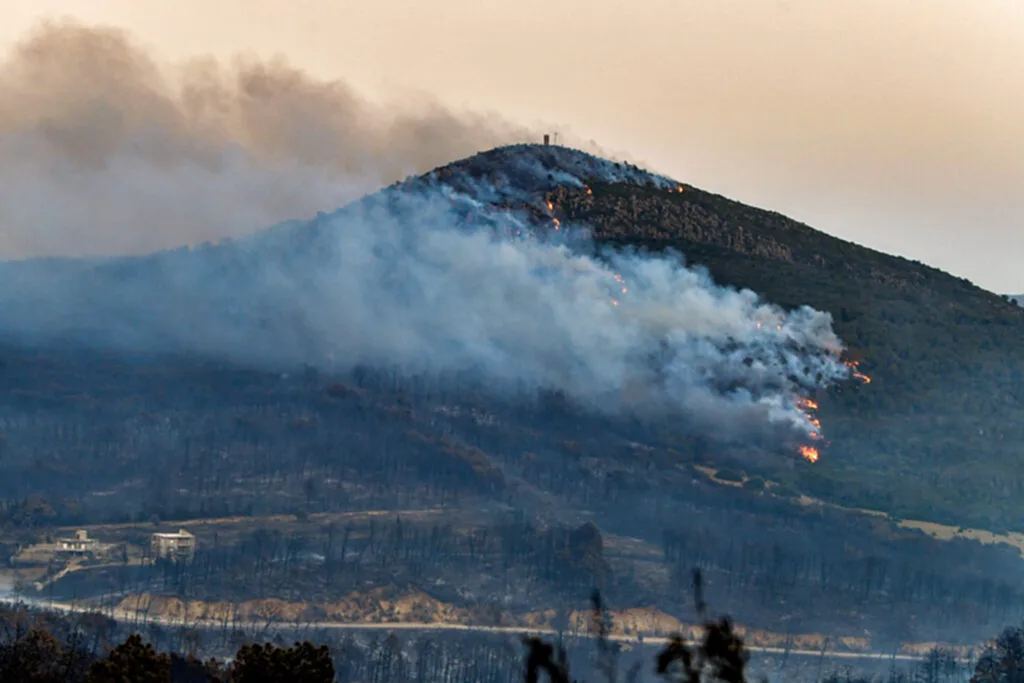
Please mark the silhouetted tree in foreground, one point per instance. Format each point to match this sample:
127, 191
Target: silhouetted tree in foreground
132, 661
1003, 660
720, 656
542, 656
303, 663
48, 650
35, 657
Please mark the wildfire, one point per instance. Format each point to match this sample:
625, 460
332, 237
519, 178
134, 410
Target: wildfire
852, 364
551, 208
589, 191
810, 453
618, 278
622, 283
807, 406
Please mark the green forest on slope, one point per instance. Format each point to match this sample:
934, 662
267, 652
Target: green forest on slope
936, 434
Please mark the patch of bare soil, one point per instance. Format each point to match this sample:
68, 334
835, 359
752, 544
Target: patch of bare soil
381, 605
412, 607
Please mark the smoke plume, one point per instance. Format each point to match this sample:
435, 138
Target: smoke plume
425, 279
103, 150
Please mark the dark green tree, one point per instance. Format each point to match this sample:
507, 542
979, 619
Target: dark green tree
192, 670
131, 662
33, 658
302, 663
1003, 660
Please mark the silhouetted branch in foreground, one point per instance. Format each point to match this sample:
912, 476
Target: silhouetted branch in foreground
543, 656
719, 656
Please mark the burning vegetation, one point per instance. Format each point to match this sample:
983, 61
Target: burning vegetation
809, 452
853, 364
807, 407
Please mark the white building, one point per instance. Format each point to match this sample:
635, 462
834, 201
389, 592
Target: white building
173, 546
81, 543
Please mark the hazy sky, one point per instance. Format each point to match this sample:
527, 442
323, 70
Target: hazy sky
898, 124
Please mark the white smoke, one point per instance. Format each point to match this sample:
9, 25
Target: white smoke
104, 151
400, 280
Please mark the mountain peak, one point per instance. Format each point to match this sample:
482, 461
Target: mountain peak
532, 168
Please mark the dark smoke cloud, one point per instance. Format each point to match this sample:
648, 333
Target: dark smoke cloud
104, 150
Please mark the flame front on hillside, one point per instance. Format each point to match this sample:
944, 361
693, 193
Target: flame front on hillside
810, 453
618, 278
807, 406
852, 364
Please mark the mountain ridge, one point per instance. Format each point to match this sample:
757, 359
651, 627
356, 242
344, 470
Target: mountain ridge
197, 384
916, 330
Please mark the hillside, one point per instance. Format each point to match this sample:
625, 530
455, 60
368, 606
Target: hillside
206, 383
935, 436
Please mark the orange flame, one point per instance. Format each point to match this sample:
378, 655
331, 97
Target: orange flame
551, 206
852, 364
622, 282
810, 453
589, 191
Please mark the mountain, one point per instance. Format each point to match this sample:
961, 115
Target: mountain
509, 357
935, 434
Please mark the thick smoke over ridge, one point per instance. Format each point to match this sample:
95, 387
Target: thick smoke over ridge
105, 151
409, 278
